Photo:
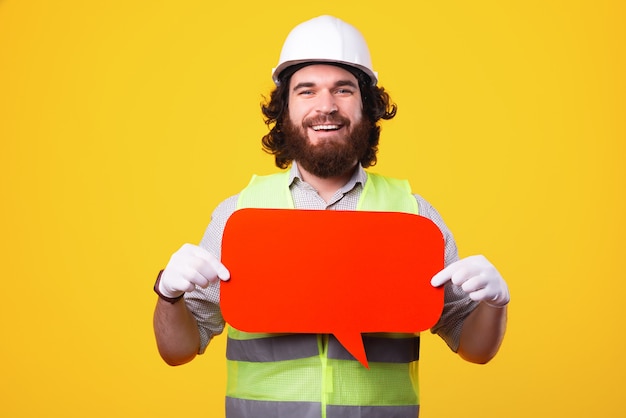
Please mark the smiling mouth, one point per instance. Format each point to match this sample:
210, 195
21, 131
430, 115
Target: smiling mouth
323, 128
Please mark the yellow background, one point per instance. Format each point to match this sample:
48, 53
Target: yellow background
123, 123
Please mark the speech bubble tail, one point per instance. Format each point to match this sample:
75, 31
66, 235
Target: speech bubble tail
353, 342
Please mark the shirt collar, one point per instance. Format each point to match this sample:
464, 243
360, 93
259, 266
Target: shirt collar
358, 177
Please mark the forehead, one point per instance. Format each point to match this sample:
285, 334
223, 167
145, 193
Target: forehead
322, 73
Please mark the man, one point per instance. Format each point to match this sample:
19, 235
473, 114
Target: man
323, 116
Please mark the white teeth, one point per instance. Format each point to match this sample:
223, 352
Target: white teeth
325, 127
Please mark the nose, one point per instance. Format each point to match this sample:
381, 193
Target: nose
326, 103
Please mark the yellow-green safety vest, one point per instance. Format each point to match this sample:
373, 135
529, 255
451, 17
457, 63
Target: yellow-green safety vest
313, 376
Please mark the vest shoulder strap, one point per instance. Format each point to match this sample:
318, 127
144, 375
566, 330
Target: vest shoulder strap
270, 191
382, 193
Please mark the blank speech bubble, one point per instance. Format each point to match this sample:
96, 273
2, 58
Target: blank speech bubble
331, 272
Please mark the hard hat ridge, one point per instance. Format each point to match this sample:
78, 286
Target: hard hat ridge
325, 39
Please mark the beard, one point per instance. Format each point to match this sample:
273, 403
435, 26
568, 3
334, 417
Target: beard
330, 157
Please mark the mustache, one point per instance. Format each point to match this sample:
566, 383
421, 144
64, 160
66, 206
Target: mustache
326, 120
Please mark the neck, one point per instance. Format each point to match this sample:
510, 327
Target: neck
326, 187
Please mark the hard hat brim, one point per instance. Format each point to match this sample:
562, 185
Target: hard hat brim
278, 72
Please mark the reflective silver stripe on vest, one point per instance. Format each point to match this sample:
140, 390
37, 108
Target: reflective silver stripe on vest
245, 408
279, 348
297, 346
380, 349
402, 411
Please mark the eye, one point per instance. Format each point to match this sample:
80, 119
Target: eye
344, 91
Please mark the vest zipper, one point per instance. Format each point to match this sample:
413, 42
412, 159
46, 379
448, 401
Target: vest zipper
327, 372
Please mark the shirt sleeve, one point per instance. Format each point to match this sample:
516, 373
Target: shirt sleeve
457, 304
204, 304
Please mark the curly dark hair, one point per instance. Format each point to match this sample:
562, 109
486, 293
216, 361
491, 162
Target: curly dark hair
376, 105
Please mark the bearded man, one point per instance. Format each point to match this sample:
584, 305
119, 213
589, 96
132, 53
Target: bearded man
324, 128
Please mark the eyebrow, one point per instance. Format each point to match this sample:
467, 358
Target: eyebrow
339, 83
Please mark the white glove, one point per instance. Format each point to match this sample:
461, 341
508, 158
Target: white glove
189, 267
478, 277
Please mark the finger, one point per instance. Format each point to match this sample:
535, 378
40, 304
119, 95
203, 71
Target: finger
210, 267
482, 294
474, 283
171, 284
220, 270
223, 273
443, 276
458, 272
197, 274
182, 285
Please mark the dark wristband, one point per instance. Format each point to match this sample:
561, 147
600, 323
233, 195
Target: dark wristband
161, 295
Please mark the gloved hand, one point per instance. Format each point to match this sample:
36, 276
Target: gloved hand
189, 267
478, 277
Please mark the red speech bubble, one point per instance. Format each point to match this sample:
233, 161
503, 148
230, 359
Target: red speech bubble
331, 272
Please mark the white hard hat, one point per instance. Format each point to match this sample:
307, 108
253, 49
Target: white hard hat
325, 39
